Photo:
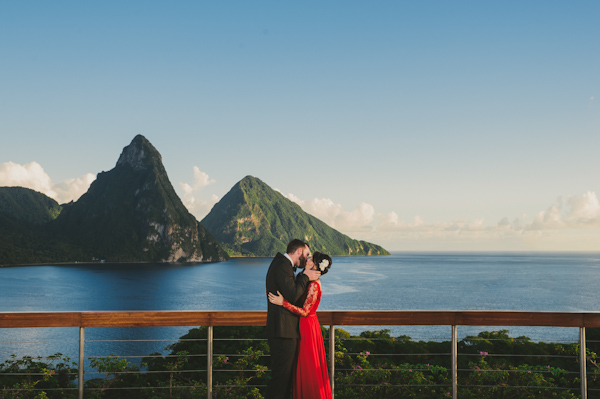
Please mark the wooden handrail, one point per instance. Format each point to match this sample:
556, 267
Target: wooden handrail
258, 318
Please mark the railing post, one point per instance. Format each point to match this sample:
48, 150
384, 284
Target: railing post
209, 361
454, 364
583, 362
81, 360
332, 357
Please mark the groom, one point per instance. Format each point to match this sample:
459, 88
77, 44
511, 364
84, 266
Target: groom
282, 325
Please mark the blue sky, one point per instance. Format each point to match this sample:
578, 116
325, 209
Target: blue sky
437, 125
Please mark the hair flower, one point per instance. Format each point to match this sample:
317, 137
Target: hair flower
323, 265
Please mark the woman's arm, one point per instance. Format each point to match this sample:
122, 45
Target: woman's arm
311, 299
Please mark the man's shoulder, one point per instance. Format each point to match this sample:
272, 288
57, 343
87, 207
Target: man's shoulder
279, 257
281, 263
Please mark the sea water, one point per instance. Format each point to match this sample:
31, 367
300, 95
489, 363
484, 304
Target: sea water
403, 281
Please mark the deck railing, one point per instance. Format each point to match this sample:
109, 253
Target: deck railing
211, 319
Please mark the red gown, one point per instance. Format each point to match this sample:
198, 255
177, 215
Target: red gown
312, 379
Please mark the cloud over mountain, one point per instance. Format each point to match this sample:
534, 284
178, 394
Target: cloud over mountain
357, 219
33, 176
197, 206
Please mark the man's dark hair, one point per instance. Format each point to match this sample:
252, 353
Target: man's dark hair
295, 244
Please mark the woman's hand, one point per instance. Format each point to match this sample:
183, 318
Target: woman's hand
276, 299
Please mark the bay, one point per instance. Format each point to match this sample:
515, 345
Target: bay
403, 281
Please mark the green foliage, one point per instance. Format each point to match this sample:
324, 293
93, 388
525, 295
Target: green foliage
116, 374
22, 242
38, 378
235, 374
254, 220
27, 205
372, 365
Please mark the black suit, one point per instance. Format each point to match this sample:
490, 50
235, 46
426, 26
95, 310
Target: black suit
282, 325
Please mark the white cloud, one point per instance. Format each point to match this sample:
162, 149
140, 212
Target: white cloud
391, 223
364, 219
358, 219
187, 189
363, 222
33, 176
201, 179
584, 210
198, 207
581, 212
72, 189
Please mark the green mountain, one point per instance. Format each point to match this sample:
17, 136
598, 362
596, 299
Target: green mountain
252, 219
24, 234
129, 214
132, 213
27, 205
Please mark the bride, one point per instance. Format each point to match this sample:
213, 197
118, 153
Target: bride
311, 379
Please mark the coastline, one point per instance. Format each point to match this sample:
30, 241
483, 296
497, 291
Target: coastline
392, 253
167, 263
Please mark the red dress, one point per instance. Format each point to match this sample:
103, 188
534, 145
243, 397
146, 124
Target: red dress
312, 379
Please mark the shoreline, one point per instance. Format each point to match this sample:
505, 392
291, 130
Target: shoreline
392, 253
163, 262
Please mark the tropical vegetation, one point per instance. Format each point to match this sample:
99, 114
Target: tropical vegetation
371, 365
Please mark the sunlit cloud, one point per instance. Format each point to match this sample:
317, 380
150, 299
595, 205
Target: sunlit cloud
33, 176
198, 207
578, 212
391, 223
357, 219
363, 222
72, 189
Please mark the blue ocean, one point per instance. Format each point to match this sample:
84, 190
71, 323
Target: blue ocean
403, 281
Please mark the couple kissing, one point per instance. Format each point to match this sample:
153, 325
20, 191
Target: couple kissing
298, 362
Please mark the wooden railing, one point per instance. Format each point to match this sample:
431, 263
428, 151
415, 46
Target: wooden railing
259, 318
212, 319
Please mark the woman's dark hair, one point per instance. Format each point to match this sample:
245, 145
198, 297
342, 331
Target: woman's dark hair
319, 257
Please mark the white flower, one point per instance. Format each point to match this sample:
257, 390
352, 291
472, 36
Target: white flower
323, 264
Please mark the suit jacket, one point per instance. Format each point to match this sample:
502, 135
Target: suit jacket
282, 323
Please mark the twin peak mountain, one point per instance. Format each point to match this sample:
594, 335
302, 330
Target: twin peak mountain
132, 214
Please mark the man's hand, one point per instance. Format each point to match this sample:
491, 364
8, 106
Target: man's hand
312, 274
277, 300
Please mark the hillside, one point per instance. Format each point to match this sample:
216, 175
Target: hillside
27, 205
132, 213
252, 219
129, 214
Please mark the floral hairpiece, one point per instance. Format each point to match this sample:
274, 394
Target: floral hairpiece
324, 263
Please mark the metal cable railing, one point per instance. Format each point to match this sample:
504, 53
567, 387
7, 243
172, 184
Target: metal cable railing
210, 320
